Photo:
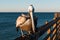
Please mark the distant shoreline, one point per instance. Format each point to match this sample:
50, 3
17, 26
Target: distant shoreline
27, 12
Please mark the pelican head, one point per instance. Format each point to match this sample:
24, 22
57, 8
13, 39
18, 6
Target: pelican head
31, 8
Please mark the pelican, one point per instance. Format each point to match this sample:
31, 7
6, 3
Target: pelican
26, 23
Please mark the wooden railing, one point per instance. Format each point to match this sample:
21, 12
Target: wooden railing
45, 32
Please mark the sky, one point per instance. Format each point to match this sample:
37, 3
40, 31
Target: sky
22, 5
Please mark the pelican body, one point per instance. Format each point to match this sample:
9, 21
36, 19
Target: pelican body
24, 23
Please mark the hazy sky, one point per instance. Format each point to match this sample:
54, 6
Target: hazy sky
22, 5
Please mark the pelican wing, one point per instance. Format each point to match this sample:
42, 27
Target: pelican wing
20, 20
27, 25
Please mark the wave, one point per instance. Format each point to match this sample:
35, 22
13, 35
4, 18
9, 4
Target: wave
7, 24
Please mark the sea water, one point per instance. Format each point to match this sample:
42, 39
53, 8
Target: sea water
8, 23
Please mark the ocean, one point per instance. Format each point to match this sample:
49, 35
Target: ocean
8, 22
